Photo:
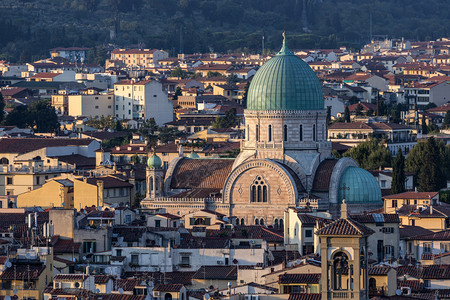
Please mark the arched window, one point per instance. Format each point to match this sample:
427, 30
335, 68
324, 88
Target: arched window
275, 224
5, 161
269, 133
314, 132
156, 184
261, 222
340, 271
258, 190
281, 224
285, 133
256, 222
257, 133
301, 133
168, 296
150, 184
242, 222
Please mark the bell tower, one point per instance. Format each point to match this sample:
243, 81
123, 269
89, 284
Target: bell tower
155, 177
343, 248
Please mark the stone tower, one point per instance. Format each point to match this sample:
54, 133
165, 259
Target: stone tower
155, 177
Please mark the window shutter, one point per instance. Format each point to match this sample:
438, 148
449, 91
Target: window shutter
191, 221
94, 246
207, 221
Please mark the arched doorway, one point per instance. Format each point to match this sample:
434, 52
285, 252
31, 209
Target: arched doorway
168, 296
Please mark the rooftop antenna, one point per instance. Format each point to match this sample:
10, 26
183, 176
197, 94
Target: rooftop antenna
370, 27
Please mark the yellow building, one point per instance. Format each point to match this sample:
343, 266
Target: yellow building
299, 283
382, 281
394, 202
433, 217
54, 193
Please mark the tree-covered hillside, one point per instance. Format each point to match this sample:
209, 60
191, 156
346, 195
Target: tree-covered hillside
29, 28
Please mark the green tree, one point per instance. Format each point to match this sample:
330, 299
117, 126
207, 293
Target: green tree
358, 109
213, 74
430, 177
2, 108
446, 122
424, 125
18, 117
370, 154
179, 73
398, 174
168, 134
178, 93
244, 97
42, 117
232, 79
328, 115
347, 115
227, 121
118, 126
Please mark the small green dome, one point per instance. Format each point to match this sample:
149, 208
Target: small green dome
193, 155
154, 162
360, 187
285, 82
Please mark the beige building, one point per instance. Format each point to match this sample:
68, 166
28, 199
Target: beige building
393, 203
96, 105
142, 100
141, 58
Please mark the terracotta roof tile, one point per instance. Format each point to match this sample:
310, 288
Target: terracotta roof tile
70, 277
201, 173
23, 145
168, 287
305, 297
299, 278
323, 175
216, 272
412, 195
415, 285
379, 270
23, 272
345, 227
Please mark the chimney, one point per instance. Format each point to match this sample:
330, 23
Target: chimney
344, 214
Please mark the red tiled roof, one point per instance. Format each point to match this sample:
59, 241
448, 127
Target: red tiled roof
201, 173
353, 125
133, 51
70, 277
24, 145
101, 279
110, 182
168, 287
323, 175
299, 278
410, 231
23, 272
127, 284
415, 285
45, 75
305, 297
345, 227
413, 195
66, 246
118, 297
436, 236
379, 270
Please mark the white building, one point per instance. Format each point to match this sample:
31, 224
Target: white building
142, 100
91, 105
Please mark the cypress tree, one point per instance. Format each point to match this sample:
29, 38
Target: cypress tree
430, 176
398, 174
424, 125
347, 115
328, 115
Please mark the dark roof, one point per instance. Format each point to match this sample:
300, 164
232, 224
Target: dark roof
110, 182
379, 270
118, 297
305, 297
407, 231
370, 218
106, 135
415, 285
23, 272
66, 246
127, 284
436, 272
70, 277
310, 220
436, 236
299, 278
216, 272
168, 287
24, 145
437, 211
413, 195
323, 175
201, 173
79, 160
345, 227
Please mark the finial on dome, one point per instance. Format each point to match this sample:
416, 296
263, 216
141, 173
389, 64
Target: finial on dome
284, 49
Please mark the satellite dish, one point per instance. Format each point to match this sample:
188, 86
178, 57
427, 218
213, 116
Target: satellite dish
207, 296
121, 291
97, 291
15, 291
107, 270
99, 208
63, 204
398, 292
84, 258
8, 264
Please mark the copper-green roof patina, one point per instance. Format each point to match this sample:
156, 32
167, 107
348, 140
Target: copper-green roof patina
154, 161
285, 82
359, 186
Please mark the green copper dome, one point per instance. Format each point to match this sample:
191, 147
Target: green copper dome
193, 155
285, 82
154, 162
360, 187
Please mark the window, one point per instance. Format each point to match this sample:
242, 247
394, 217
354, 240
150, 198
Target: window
157, 223
285, 133
134, 259
89, 247
427, 283
427, 248
269, 133
301, 133
118, 252
444, 247
297, 289
185, 261
258, 190
314, 132
383, 183
308, 233
38, 180
96, 107
388, 230
128, 219
9, 180
394, 203
257, 133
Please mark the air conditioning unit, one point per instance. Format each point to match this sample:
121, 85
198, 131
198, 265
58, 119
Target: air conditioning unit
406, 291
